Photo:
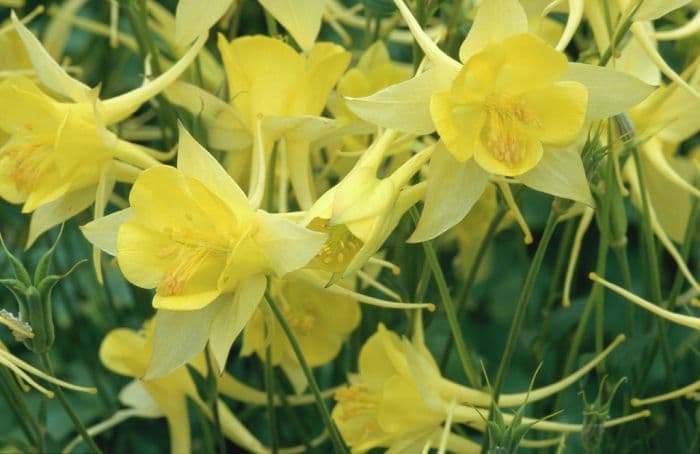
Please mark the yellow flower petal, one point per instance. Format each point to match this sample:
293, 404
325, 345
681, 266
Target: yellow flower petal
559, 112
263, 73
529, 63
509, 151
458, 126
301, 18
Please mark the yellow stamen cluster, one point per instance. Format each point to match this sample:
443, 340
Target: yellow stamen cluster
27, 160
356, 400
339, 249
188, 250
503, 133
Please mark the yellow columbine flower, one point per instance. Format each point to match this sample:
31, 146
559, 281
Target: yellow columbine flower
319, 319
60, 157
207, 256
505, 109
362, 210
275, 95
128, 352
399, 397
508, 101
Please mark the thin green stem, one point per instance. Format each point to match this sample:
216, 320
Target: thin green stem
521, 310
619, 34
450, 34
46, 364
214, 402
338, 443
270, 391
19, 407
465, 357
656, 294
524, 301
466, 283
271, 24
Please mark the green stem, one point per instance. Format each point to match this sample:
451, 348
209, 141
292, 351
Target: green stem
271, 24
14, 398
524, 301
293, 417
656, 293
137, 14
465, 357
452, 25
68, 408
619, 34
623, 262
521, 310
338, 443
214, 402
466, 284
270, 391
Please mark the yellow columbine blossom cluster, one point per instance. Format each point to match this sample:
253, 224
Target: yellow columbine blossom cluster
303, 167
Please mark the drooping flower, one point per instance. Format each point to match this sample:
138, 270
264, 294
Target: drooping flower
60, 158
127, 352
207, 257
399, 399
506, 110
362, 210
319, 319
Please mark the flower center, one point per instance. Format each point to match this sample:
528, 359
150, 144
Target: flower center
505, 133
186, 254
356, 400
300, 318
28, 160
338, 250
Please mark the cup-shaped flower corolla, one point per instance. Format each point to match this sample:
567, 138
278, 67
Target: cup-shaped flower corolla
511, 107
207, 256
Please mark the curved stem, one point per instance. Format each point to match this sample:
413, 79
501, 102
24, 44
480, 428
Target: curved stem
69, 409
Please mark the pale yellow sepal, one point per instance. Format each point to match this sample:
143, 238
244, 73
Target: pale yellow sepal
495, 21
453, 189
58, 211
234, 316
560, 172
301, 18
224, 125
404, 106
609, 92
